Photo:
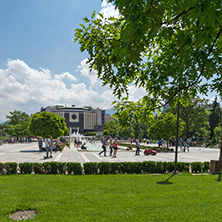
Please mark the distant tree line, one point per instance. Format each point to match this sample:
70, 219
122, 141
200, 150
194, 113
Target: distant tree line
199, 119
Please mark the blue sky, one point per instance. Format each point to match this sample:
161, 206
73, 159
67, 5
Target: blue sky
41, 32
39, 63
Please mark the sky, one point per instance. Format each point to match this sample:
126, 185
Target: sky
40, 65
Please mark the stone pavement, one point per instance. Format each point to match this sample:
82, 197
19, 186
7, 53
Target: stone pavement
28, 152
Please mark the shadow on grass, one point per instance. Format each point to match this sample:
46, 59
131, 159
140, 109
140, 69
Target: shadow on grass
166, 182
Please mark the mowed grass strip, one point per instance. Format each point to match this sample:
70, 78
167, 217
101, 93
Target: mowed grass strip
113, 197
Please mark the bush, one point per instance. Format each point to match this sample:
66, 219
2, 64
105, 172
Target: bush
131, 167
54, 167
90, 168
104, 167
148, 167
62, 147
206, 166
196, 167
62, 168
47, 167
25, 168
10, 168
159, 168
74, 168
126, 167
183, 167
168, 166
115, 168
1, 168
38, 168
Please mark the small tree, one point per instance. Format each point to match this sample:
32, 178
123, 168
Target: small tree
17, 124
164, 126
90, 134
126, 132
44, 124
111, 128
217, 132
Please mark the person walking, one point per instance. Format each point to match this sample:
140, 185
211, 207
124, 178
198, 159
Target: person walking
111, 146
40, 144
137, 146
115, 147
51, 146
104, 145
47, 146
181, 144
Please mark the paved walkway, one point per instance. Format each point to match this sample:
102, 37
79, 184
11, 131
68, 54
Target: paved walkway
28, 152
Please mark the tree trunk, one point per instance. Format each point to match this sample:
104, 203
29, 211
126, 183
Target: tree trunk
221, 144
177, 137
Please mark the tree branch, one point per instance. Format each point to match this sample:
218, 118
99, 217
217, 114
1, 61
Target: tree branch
179, 15
198, 77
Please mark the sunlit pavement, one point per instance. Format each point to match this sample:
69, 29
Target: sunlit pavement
28, 152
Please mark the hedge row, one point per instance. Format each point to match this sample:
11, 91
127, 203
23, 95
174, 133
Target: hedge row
41, 168
101, 168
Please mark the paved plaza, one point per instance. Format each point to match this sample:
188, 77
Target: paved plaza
28, 152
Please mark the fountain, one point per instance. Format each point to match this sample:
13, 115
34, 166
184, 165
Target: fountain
91, 144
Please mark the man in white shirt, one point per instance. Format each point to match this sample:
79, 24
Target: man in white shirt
48, 143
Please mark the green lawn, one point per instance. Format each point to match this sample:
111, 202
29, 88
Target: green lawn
113, 197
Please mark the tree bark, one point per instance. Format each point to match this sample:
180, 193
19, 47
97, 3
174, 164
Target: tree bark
221, 144
177, 137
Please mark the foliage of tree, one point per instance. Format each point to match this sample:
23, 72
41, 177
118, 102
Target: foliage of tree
17, 124
45, 123
164, 126
167, 47
111, 128
195, 116
127, 132
217, 132
214, 117
132, 130
90, 134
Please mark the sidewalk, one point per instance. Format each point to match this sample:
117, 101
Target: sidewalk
29, 152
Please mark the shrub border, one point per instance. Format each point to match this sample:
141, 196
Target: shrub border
73, 168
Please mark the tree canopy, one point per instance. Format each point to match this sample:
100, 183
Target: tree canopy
17, 124
45, 123
214, 117
164, 126
196, 117
170, 48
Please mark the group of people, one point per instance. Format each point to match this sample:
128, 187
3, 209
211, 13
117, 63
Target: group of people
48, 146
112, 144
185, 145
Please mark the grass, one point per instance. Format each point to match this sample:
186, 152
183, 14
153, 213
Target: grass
113, 197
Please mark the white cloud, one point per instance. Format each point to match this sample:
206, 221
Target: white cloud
26, 89
108, 10
67, 76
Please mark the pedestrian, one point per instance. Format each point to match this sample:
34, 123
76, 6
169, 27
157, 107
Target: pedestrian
57, 144
111, 146
104, 145
181, 144
159, 144
115, 147
137, 146
47, 146
40, 144
51, 147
